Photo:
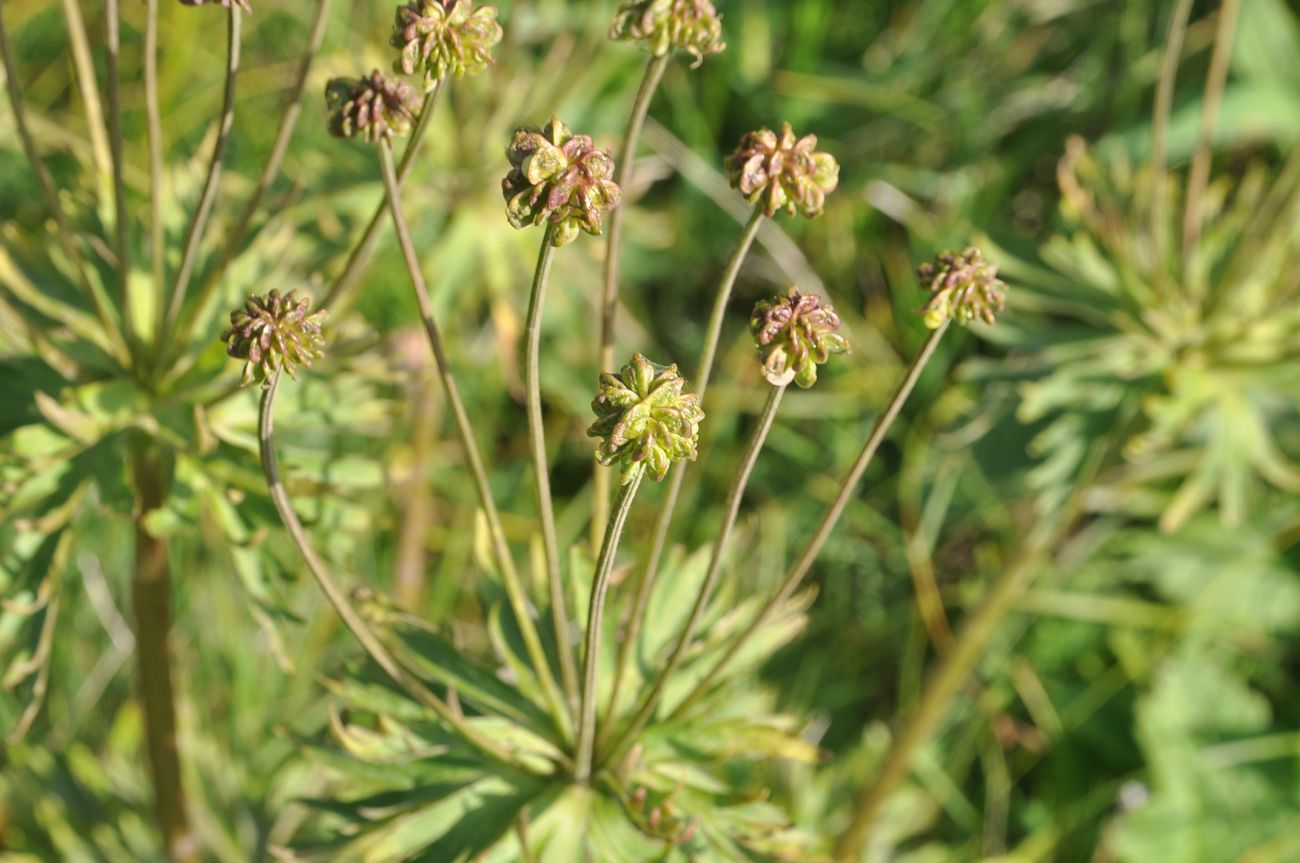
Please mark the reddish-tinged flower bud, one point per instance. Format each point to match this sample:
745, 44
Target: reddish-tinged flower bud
644, 419
559, 177
274, 332
373, 108
782, 172
694, 26
444, 37
794, 335
243, 4
962, 287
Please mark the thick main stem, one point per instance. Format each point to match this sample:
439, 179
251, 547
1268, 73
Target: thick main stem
151, 603
360, 253
541, 469
848, 487
636, 617
731, 511
339, 600
465, 429
595, 620
199, 221
654, 72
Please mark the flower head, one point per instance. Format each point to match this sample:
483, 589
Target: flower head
662, 25
274, 332
795, 334
444, 37
373, 107
243, 4
962, 288
782, 172
644, 419
559, 177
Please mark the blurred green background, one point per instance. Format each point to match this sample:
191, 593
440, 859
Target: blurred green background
1138, 699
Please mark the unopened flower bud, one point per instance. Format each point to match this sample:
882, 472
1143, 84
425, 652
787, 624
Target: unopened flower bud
644, 419
561, 178
795, 334
444, 37
274, 332
693, 26
783, 172
373, 108
963, 287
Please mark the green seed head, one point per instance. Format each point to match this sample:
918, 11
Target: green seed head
693, 26
795, 334
963, 287
644, 420
373, 108
783, 172
444, 37
274, 332
561, 178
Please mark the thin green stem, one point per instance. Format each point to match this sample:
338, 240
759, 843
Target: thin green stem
63, 230
848, 487
121, 228
1159, 126
541, 469
1198, 177
595, 620
270, 170
659, 541
731, 511
500, 547
351, 618
208, 197
654, 72
84, 64
151, 602
157, 235
340, 290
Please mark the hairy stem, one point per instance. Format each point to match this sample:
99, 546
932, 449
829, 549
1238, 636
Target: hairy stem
121, 228
636, 616
199, 221
541, 470
343, 605
157, 235
151, 601
654, 72
1199, 175
595, 619
848, 487
339, 291
731, 511
500, 547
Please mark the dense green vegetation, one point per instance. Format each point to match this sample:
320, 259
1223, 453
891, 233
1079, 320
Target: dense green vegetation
1059, 621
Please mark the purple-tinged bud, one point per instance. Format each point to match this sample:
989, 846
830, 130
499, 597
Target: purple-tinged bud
373, 108
963, 287
644, 420
783, 172
795, 334
693, 26
444, 37
274, 332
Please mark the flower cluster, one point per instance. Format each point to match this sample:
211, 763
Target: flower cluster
559, 177
794, 335
644, 419
962, 287
373, 107
274, 332
694, 26
444, 37
243, 4
782, 172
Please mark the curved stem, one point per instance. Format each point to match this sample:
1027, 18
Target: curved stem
541, 470
270, 170
63, 230
343, 606
832, 516
1199, 176
121, 230
636, 617
1160, 124
199, 222
595, 619
360, 254
157, 236
500, 547
732, 510
654, 72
